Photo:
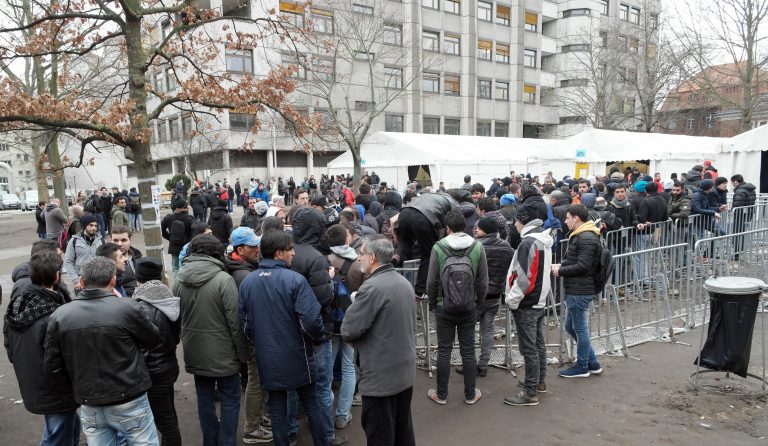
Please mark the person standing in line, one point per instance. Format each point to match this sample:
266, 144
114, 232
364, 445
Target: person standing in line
579, 268
40, 218
381, 324
176, 227
81, 248
55, 220
95, 342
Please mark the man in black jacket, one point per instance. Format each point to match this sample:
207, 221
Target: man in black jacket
25, 325
176, 227
106, 207
744, 197
95, 341
579, 268
121, 236
20, 274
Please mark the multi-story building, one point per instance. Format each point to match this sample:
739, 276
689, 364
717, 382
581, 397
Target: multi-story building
17, 170
497, 69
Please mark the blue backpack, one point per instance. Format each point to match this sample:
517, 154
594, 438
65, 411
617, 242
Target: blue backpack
342, 298
555, 226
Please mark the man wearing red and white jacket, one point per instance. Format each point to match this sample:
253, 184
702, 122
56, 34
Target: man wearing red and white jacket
528, 285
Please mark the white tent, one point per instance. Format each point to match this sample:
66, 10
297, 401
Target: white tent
743, 154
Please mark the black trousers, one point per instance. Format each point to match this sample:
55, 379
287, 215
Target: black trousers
415, 233
160, 397
387, 420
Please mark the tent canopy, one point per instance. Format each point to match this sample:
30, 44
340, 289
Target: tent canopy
751, 141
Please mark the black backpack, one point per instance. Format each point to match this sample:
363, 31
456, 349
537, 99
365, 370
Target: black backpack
342, 298
604, 267
177, 233
457, 278
90, 205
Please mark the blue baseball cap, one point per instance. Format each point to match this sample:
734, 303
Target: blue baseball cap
244, 236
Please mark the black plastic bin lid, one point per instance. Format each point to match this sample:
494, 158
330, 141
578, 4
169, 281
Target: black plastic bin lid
735, 286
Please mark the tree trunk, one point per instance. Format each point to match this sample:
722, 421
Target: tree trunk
357, 169
59, 182
41, 179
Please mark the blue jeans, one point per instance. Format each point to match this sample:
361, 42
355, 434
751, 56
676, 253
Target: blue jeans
134, 420
577, 325
61, 429
324, 364
347, 389
641, 273
215, 432
42, 235
229, 205
137, 221
175, 265
278, 406
102, 224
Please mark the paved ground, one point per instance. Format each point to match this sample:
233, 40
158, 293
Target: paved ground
637, 401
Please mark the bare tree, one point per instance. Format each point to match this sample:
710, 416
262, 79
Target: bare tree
730, 31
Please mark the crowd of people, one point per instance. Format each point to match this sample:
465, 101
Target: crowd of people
303, 296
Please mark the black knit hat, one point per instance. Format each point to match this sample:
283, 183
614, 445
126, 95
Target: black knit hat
148, 269
488, 225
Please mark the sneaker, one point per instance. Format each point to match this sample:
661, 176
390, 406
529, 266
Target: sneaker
292, 440
432, 394
574, 372
477, 397
541, 388
339, 441
357, 400
258, 436
522, 399
342, 422
595, 369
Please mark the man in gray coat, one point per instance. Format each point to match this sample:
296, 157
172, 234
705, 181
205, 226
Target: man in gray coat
55, 220
380, 324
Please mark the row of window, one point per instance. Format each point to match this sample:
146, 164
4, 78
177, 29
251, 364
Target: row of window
172, 129
451, 126
627, 13
163, 79
690, 122
485, 88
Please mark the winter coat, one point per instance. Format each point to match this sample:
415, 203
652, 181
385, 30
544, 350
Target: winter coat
498, 255
501, 223
457, 242
214, 344
135, 202
119, 217
469, 210
55, 220
221, 224
392, 205
263, 195
197, 201
534, 203
95, 341
79, 251
338, 257
370, 221
40, 218
167, 224
434, 206
581, 260
280, 315
24, 329
653, 209
528, 281
250, 219
163, 309
703, 204
127, 280
679, 207
626, 213
744, 195
239, 268
381, 324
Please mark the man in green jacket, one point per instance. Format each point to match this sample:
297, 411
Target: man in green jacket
119, 217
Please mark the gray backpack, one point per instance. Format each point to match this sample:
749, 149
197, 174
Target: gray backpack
457, 279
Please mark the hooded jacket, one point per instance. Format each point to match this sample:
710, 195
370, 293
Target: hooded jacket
280, 315
653, 209
197, 201
499, 255
79, 251
239, 268
221, 224
434, 206
308, 229
40, 218
679, 207
392, 205
534, 203
744, 195
340, 255
528, 277
119, 217
164, 311
166, 225
469, 210
214, 344
55, 220
624, 212
581, 260
458, 242
24, 329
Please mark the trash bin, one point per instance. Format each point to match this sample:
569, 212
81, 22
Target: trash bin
733, 307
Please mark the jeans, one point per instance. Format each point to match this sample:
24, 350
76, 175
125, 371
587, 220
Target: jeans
215, 432
61, 429
161, 400
137, 221
641, 273
414, 231
577, 325
387, 420
447, 325
278, 408
175, 265
229, 205
324, 389
254, 398
486, 313
134, 420
347, 388
42, 235
530, 338
102, 225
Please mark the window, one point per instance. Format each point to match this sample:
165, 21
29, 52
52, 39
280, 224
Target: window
322, 69
603, 39
502, 53
501, 129
573, 83
629, 107
634, 15
653, 21
187, 126
531, 21
173, 127
632, 76
674, 100
529, 94
502, 91
502, 15
624, 12
362, 9
575, 47
709, 121
451, 126
291, 61
452, 85
573, 120
322, 21
634, 45
430, 41
239, 61
159, 81
623, 40
602, 70
393, 35
431, 4
483, 128
483, 89
484, 49
363, 105
240, 122
452, 6
26, 157
166, 28
672, 124
529, 58
162, 136
432, 126
393, 77
693, 98
576, 12
362, 55
18, 156
622, 72
452, 44
689, 123
430, 83
485, 11
4, 148
604, 5
393, 123
170, 79
292, 13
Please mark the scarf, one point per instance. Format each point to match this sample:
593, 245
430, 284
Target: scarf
586, 227
620, 204
34, 303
